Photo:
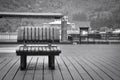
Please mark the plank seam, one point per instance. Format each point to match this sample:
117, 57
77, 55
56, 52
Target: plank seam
6, 64
67, 68
100, 69
10, 69
107, 68
59, 69
16, 73
75, 68
43, 69
3, 61
109, 64
92, 69
35, 69
114, 61
27, 67
84, 69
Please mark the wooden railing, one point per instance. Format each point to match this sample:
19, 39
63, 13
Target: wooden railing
8, 36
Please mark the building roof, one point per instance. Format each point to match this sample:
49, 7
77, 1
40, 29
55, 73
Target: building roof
116, 31
31, 14
58, 22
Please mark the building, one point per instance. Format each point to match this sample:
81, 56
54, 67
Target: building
81, 29
57, 23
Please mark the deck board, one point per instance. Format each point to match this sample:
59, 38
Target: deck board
109, 63
10, 75
21, 74
98, 71
31, 68
4, 63
115, 62
2, 60
39, 69
91, 73
7, 68
57, 75
105, 69
47, 73
108, 66
72, 70
66, 68
80, 70
93, 68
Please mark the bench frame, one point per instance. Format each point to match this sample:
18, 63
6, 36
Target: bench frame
51, 60
23, 55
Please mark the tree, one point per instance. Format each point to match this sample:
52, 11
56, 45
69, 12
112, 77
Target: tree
80, 17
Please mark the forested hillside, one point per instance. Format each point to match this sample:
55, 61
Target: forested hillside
101, 13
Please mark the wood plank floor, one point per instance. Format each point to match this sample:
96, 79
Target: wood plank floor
66, 68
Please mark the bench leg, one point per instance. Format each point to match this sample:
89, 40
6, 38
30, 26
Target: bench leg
23, 62
51, 61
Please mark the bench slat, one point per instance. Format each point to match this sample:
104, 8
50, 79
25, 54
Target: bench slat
33, 34
19, 34
40, 48
28, 50
38, 34
51, 34
29, 34
25, 34
44, 34
47, 34
56, 32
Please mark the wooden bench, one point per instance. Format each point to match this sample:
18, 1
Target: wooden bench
32, 38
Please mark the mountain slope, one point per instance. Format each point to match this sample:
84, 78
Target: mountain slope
76, 10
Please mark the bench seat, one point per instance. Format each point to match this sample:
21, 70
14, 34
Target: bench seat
38, 50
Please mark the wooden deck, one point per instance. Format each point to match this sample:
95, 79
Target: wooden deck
67, 68
76, 62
